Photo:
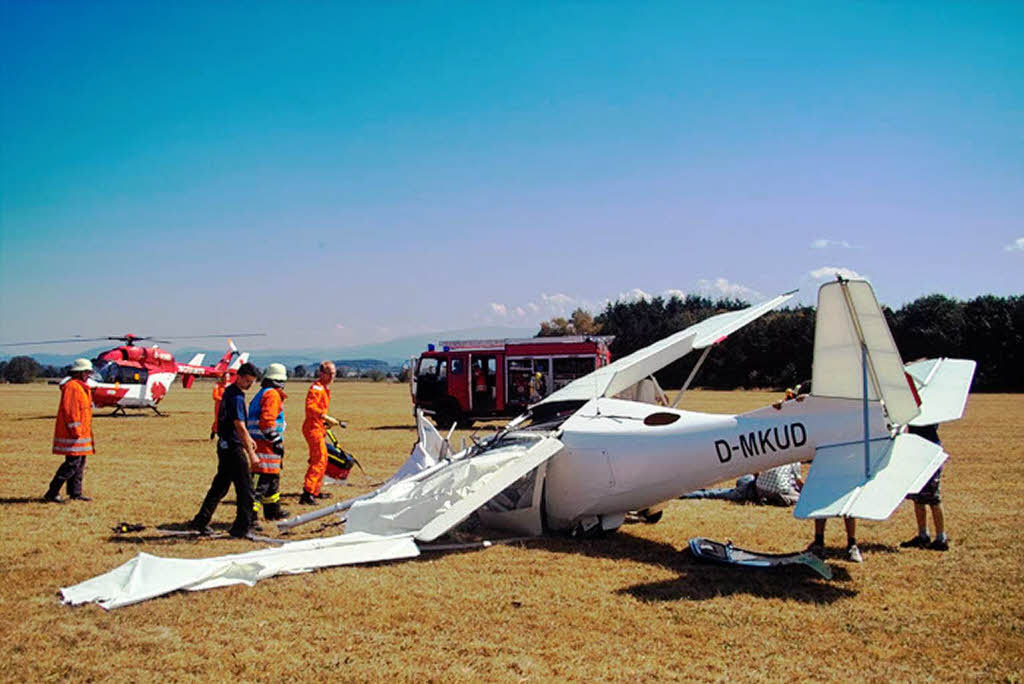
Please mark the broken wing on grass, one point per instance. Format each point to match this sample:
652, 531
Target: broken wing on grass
382, 527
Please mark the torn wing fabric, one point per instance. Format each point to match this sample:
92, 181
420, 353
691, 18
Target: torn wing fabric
943, 385
429, 504
837, 485
428, 450
621, 374
146, 576
838, 369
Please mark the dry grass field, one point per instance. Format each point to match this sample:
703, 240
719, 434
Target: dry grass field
633, 606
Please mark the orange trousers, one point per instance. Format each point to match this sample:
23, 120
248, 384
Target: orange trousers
317, 462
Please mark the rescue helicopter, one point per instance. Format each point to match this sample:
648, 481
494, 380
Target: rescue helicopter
133, 376
610, 444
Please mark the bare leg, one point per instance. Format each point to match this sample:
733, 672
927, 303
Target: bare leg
921, 513
851, 530
819, 528
939, 518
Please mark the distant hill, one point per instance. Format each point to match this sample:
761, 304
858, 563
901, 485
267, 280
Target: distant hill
381, 355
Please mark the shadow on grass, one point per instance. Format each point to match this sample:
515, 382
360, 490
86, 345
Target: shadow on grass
874, 547
394, 427
121, 416
168, 533
22, 500
699, 581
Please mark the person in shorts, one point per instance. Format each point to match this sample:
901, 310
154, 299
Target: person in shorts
929, 496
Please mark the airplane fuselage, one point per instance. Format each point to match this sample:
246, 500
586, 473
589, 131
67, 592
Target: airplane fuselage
622, 456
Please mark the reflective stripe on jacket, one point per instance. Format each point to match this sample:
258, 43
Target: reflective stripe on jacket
72, 433
266, 418
318, 403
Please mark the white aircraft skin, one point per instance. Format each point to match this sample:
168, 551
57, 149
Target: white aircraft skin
613, 462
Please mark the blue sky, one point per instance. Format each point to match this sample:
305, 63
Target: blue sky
334, 173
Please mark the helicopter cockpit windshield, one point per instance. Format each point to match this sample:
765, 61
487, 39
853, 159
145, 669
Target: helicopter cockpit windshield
111, 372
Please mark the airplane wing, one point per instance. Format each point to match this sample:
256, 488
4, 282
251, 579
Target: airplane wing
837, 486
384, 525
943, 385
627, 371
430, 504
147, 576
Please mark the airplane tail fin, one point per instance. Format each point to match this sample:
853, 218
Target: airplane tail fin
855, 356
837, 484
197, 360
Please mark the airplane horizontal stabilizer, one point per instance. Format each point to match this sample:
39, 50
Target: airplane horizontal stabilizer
837, 485
943, 385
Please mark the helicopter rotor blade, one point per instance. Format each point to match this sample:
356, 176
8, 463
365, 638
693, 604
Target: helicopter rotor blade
198, 337
65, 341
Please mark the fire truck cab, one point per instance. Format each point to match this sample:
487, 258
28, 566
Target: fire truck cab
468, 380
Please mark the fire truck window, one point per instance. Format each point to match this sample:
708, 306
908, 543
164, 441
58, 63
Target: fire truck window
567, 370
456, 366
428, 367
442, 370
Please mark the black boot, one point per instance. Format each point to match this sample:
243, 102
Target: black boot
307, 499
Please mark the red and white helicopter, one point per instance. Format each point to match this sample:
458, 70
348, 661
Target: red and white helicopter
138, 377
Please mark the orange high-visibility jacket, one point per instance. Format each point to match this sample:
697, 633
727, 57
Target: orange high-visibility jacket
72, 435
218, 394
318, 403
270, 408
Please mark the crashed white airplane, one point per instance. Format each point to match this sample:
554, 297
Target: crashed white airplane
593, 451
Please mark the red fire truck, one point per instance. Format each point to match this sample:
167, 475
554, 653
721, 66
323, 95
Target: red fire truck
468, 380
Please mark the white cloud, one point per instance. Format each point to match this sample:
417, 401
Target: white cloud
1015, 246
634, 295
720, 287
669, 294
830, 272
822, 243
519, 311
499, 309
557, 299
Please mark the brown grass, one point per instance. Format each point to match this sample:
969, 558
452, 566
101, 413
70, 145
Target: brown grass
628, 607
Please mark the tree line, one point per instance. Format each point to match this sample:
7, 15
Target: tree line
22, 369
776, 350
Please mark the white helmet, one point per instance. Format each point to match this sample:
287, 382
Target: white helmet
276, 372
81, 365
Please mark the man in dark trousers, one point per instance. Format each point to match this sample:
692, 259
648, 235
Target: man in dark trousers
72, 435
236, 459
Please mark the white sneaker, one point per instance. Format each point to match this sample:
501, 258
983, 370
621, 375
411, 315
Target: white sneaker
853, 553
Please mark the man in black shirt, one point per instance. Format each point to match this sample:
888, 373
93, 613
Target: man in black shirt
236, 458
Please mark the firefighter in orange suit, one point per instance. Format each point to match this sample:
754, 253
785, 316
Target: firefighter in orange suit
72, 435
266, 425
218, 394
318, 403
